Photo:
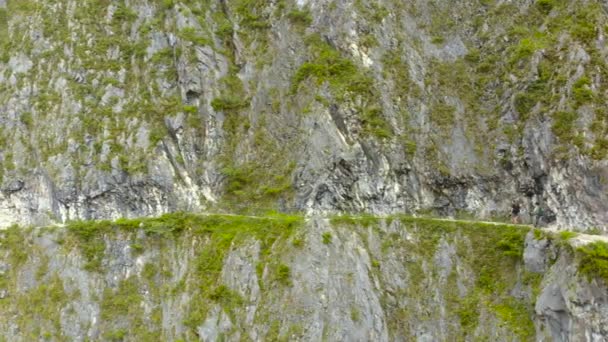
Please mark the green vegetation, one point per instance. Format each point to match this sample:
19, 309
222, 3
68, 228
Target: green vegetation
346, 80
581, 91
228, 103
214, 235
371, 10
594, 261
12, 238
528, 46
443, 115
42, 305
283, 274
563, 126
226, 297
545, 6
191, 35
299, 17
517, 316
355, 314
567, 235
329, 66
326, 238
4, 39
125, 301
490, 252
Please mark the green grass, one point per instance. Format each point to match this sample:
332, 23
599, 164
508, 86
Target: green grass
490, 252
581, 91
364, 220
567, 235
91, 234
218, 234
326, 238
517, 315
594, 261
346, 80
443, 115
283, 274
4, 38
545, 6
191, 35
228, 103
299, 17
563, 126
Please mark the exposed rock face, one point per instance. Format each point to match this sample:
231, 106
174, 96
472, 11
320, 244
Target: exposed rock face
235, 278
141, 107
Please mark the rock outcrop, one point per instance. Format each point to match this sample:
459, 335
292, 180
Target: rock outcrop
142, 107
231, 278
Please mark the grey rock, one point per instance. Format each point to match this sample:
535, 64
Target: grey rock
13, 186
536, 254
340, 164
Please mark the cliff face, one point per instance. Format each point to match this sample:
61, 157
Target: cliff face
234, 278
134, 108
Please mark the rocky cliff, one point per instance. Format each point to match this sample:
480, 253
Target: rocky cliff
140, 107
119, 109
285, 278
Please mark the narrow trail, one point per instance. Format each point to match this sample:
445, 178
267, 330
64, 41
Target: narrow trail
580, 239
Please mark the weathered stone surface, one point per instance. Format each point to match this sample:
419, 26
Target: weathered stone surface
160, 118
385, 280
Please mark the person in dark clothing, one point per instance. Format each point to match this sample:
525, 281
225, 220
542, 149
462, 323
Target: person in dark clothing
515, 209
538, 214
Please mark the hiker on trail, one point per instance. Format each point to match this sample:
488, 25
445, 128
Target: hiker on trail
515, 209
538, 214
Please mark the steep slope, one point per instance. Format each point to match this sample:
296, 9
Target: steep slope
232, 278
141, 107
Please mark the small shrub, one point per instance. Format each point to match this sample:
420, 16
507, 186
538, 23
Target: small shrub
594, 260
563, 125
567, 235
283, 274
137, 248
443, 115
124, 14
190, 109
300, 17
149, 271
326, 238
512, 243
227, 103
545, 6
527, 47
583, 31
189, 34
581, 91
438, 40
473, 56
355, 315
26, 119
